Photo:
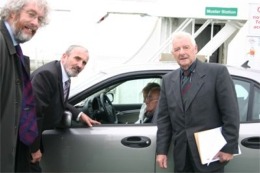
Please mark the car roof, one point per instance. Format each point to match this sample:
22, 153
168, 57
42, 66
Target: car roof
244, 72
80, 84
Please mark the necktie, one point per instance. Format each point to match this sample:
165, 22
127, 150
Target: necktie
28, 129
186, 82
66, 89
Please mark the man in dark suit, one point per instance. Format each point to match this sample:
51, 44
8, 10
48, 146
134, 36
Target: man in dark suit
50, 87
206, 100
19, 22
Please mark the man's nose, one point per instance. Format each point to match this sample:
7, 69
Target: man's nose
81, 64
36, 22
182, 50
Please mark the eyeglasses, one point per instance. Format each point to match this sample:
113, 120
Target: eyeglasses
33, 15
150, 99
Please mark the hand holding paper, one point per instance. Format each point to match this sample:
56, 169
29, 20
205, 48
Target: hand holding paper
209, 143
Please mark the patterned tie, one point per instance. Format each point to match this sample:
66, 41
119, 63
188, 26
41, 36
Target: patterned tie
28, 129
186, 82
66, 89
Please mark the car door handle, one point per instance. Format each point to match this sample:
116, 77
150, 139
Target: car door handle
252, 142
136, 141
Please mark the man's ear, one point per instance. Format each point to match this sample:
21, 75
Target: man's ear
11, 17
197, 48
63, 57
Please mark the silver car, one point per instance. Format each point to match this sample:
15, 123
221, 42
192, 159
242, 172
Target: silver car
114, 98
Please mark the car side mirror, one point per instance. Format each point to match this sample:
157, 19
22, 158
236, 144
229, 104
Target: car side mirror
66, 119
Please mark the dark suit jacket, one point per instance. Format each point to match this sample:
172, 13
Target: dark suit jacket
211, 103
11, 98
48, 90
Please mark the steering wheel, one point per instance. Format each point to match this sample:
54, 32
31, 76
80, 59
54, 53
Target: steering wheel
109, 110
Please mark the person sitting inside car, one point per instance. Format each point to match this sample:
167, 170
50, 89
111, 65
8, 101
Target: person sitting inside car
151, 105
145, 92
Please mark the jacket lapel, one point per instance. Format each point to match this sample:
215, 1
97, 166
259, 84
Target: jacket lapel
197, 81
26, 65
60, 82
177, 88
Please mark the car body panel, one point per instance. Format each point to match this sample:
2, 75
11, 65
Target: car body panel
100, 148
85, 149
249, 160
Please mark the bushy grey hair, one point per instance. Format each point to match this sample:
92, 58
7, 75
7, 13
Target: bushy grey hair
15, 6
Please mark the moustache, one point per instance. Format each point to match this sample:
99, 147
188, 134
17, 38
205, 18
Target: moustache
77, 69
32, 28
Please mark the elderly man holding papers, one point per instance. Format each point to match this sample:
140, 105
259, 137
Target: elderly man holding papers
196, 97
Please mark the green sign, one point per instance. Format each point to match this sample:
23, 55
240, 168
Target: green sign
219, 11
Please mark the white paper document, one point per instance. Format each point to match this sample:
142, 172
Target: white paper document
209, 143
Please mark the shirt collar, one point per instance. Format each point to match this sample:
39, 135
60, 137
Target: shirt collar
65, 76
11, 33
191, 68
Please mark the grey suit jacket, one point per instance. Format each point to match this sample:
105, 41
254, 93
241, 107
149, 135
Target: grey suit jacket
211, 103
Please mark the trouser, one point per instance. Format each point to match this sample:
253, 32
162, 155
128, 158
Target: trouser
190, 166
35, 167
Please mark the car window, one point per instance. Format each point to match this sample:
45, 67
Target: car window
117, 102
256, 103
130, 92
242, 92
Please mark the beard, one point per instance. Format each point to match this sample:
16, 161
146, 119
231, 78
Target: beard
19, 35
72, 72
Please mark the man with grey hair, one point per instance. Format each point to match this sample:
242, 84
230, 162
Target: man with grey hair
51, 87
194, 98
20, 20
